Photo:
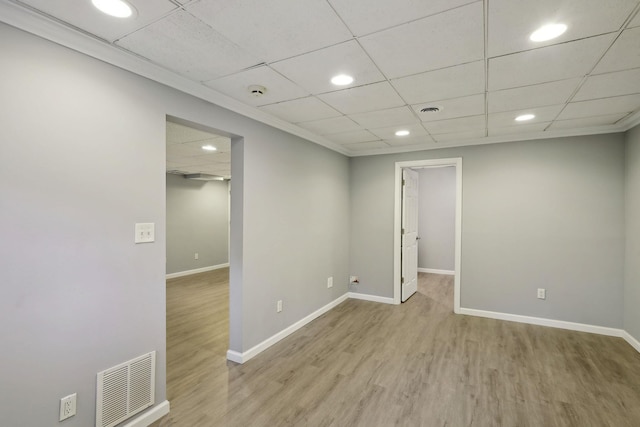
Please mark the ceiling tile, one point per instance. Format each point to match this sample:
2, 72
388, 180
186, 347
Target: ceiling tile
361, 99
301, 110
385, 118
186, 45
82, 14
515, 130
332, 125
389, 133
588, 122
597, 107
511, 22
443, 40
274, 29
624, 54
278, 87
460, 136
558, 62
608, 85
452, 82
367, 16
313, 71
463, 124
352, 137
551, 93
361, 146
452, 108
507, 118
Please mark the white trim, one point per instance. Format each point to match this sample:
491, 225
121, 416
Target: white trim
457, 162
238, 357
374, 298
631, 340
561, 324
151, 416
436, 271
196, 271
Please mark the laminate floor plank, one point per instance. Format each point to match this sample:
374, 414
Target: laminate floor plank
370, 364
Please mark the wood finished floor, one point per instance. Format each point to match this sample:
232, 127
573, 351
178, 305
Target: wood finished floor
370, 364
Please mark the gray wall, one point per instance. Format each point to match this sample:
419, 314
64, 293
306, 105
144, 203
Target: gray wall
546, 213
437, 218
197, 221
83, 145
632, 264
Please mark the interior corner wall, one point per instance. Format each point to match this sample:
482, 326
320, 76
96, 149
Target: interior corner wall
84, 150
632, 253
437, 218
535, 214
197, 222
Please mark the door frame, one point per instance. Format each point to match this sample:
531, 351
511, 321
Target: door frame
397, 227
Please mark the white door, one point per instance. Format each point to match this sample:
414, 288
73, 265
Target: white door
409, 255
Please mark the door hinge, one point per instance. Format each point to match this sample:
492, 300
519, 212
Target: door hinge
402, 280
402, 231
403, 182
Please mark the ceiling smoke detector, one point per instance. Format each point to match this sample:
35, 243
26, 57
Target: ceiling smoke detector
257, 90
431, 109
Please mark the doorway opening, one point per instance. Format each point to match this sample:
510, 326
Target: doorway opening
400, 167
198, 200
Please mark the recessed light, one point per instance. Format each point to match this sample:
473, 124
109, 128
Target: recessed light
117, 8
341, 80
209, 148
402, 133
547, 32
524, 117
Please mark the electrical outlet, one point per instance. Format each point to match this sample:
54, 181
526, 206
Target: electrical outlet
542, 293
279, 306
330, 282
67, 407
354, 280
196, 256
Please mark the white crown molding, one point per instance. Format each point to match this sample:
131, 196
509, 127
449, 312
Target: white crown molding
631, 121
48, 28
490, 140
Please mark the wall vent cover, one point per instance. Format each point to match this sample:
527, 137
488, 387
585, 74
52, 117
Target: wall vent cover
125, 390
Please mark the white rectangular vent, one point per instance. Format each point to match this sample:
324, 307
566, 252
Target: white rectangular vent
125, 390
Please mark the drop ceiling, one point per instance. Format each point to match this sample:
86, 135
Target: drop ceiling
472, 59
185, 154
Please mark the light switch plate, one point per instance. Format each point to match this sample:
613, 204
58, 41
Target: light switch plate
145, 232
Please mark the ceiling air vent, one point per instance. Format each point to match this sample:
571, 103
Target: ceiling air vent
431, 109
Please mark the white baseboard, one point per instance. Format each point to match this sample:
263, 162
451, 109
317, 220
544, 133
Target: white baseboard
368, 297
150, 416
238, 357
436, 271
632, 341
196, 271
561, 324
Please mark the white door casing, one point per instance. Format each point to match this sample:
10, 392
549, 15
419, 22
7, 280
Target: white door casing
409, 233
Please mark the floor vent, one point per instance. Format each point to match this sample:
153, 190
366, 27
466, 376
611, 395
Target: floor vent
125, 390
